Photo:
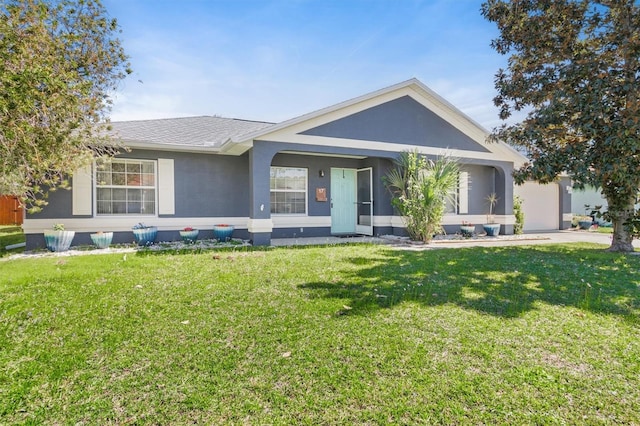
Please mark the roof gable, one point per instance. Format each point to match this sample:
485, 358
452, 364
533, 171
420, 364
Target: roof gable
327, 127
401, 121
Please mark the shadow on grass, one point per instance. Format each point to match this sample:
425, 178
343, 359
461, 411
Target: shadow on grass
505, 282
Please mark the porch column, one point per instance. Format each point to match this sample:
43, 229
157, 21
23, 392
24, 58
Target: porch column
260, 224
504, 189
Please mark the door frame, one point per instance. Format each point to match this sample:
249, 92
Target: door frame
364, 229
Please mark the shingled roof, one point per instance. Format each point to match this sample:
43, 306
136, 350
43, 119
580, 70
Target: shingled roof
204, 131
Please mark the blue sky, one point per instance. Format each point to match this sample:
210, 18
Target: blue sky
273, 60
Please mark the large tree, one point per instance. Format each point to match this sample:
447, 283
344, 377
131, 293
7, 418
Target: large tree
573, 68
59, 63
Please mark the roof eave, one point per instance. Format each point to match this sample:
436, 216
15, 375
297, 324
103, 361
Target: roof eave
231, 147
201, 149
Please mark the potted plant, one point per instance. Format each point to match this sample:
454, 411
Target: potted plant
491, 228
102, 239
586, 221
467, 229
145, 235
583, 221
189, 235
222, 232
58, 239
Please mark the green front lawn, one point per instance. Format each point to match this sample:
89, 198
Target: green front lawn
323, 335
604, 230
10, 235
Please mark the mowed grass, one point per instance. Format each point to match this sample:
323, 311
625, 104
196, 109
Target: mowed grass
10, 235
323, 335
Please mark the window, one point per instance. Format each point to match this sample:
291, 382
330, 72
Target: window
451, 206
126, 187
288, 190
457, 201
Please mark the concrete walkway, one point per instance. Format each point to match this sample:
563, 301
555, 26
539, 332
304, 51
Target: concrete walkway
503, 240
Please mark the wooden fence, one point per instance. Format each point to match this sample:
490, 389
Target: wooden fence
11, 212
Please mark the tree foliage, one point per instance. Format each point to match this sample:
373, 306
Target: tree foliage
59, 62
573, 67
421, 188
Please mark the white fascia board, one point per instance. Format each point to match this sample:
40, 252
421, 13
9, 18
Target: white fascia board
201, 149
232, 148
381, 146
322, 154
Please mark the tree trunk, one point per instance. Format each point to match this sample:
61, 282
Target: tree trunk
622, 238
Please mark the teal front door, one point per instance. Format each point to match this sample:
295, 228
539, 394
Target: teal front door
343, 201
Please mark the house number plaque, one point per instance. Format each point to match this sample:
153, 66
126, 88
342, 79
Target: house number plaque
321, 194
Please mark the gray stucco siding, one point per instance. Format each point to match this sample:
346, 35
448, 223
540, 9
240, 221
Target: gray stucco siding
314, 165
204, 186
486, 175
380, 167
59, 206
481, 184
400, 121
211, 185
264, 154
381, 195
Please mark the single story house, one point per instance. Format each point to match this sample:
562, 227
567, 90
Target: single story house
318, 174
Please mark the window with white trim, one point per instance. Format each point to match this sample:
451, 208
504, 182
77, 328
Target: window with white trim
456, 202
126, 187
288, 190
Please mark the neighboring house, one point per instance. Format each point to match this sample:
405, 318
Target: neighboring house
592, 197
318, 174
588, 196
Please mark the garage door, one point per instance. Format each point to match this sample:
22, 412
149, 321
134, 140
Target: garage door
540, 206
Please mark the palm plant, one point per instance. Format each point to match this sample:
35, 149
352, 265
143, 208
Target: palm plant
492, 200
421, 188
